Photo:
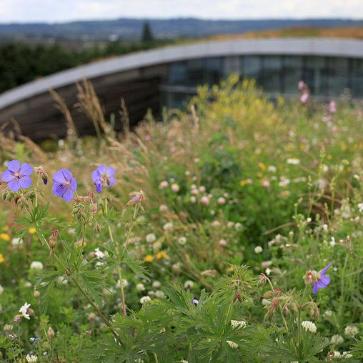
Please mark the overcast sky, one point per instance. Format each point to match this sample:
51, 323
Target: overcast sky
66, 10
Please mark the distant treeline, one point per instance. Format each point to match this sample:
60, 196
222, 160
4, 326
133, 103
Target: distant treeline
21, 62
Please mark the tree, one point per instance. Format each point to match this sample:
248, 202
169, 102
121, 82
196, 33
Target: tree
147, 35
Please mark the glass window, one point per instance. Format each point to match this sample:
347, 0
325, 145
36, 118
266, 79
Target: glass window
356, 77
271, 77
291, 74
251, 67
338, 76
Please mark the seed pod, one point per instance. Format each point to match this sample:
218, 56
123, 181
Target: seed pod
53, 239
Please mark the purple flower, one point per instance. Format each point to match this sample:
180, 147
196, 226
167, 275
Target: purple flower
103, 176
64, 184
17, 176
322, 280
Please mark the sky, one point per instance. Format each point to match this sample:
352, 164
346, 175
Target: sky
68, 10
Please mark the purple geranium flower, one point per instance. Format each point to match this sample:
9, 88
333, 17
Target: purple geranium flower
64, 184
103, 176
322, 281
17, 176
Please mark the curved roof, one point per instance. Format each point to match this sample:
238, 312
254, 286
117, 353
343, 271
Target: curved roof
284, 46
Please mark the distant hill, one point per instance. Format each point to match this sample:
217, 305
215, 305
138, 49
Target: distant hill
129, 28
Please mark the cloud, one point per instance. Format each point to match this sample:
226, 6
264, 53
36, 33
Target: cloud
65, 10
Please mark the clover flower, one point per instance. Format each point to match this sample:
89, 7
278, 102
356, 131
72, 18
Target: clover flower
64, 184
232, 344
145, 300
36, 265
17, 176
31, 358
309, 326
103, 176
351, 330
238, 324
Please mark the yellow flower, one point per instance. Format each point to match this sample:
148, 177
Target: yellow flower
2, 258
32, 230
4, 237
262, 166
148, 258
244, 182
161, 255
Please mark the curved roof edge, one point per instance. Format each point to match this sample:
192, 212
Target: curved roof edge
283, 46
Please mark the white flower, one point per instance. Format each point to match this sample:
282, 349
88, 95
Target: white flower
347, 355
16, 242
222, 242
168, 226
351, 331
332, 242
99, 254
336, 339
140, 287
188, 284
293, 161
150, 238
237, 226
157, 246
216, 223
164, 184
1, 289
193, 199
31, 358
360, 207
145, 300
328, 314
221, 201
156, 284
272, 169
175, 188
202, 189
122, 283
284, 182
24, 311
204, 200
232, 344
258, 249
238, 324
309, 326
159, 294
36, 265
182, 241
163, 208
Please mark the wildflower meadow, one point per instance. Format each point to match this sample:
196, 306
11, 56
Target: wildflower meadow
230, 231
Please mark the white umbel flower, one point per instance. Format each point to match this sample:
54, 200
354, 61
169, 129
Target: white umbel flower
36, 265
16, 242
258, 249
238, 324
31, 358
351, 331
150, 238
309, 326
140, 287
24, 311
336, 339
145, 299
232, 344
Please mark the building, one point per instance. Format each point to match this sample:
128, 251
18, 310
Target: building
146, 80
